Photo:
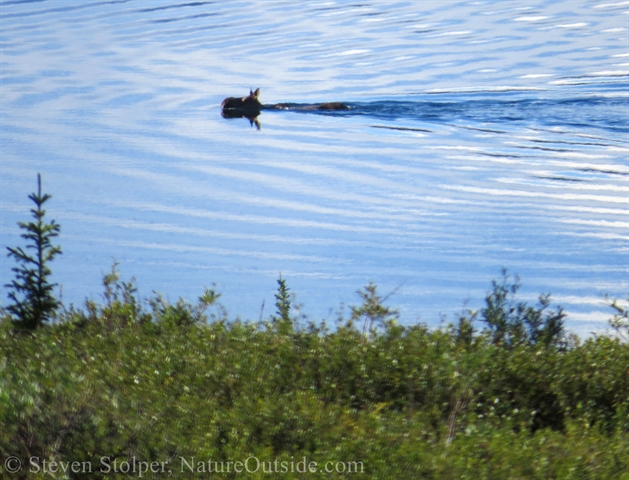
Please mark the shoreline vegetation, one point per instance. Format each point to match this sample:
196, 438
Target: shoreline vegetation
503, 392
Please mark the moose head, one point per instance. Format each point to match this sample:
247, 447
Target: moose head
248, 104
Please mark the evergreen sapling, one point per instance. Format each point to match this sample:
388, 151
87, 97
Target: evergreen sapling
30, 291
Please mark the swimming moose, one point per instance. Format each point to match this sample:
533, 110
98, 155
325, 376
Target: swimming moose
250, 107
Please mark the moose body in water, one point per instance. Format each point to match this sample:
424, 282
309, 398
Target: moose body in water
250, 107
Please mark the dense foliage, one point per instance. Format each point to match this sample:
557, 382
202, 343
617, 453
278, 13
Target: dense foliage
145, 388
161, 382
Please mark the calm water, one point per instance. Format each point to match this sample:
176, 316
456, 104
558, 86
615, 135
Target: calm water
482, 134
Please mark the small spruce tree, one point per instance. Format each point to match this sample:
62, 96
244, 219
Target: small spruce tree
282, 300
282, 322
372, 309
30, 291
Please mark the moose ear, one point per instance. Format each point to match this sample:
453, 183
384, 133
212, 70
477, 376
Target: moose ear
256, 93
250, 92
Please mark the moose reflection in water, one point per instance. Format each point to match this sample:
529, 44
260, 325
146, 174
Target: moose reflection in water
250, 107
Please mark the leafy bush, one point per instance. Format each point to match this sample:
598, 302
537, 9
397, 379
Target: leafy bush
512, 323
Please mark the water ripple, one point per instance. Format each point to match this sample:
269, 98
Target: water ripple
480, 135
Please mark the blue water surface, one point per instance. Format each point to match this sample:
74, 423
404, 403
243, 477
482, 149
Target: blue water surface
480, 135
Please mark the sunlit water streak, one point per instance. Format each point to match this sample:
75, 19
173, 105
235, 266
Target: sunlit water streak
481, 135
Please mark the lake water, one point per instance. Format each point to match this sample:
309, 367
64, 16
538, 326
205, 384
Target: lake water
481, 135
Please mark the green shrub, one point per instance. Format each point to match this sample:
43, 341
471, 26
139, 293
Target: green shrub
158, 382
